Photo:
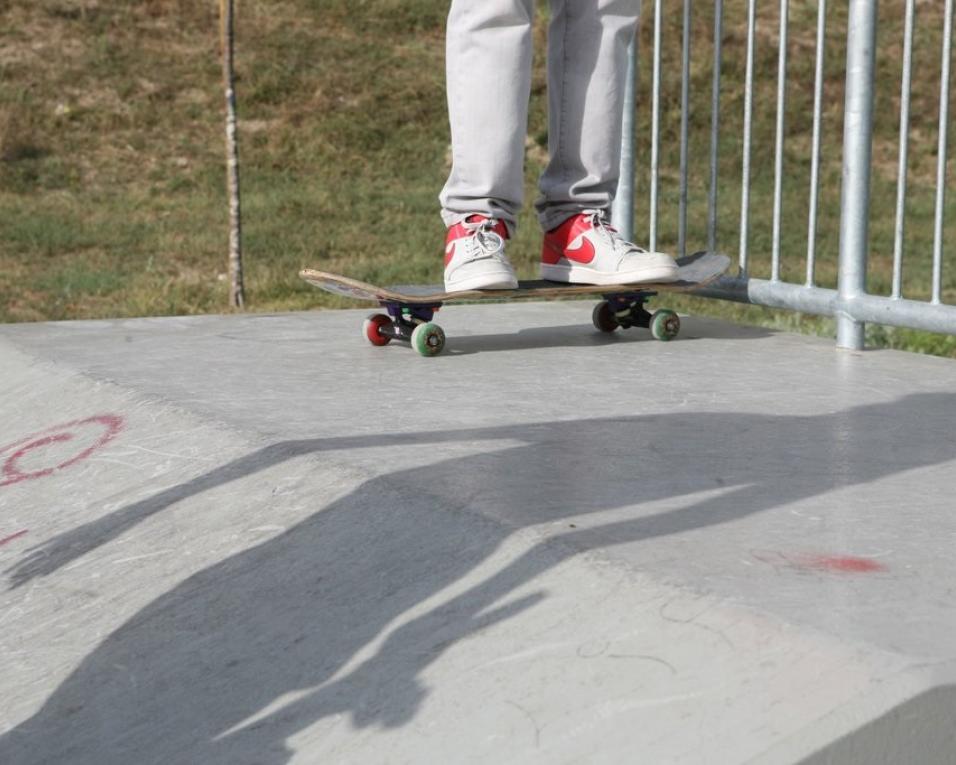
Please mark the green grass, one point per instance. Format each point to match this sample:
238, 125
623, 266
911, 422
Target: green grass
112, 189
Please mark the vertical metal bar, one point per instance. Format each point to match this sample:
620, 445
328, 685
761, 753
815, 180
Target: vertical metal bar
684, 116
655, 126
815, 158
857, 153
941, 156
778, 152
905, 89
622, 209
748, 132
715, 126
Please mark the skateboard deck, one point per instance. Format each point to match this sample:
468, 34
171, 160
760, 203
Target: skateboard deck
411, 308
696, 271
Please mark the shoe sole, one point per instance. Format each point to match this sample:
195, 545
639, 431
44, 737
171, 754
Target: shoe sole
501, 281
583, 275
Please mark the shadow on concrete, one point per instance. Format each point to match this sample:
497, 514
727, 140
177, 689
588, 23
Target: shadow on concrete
570, 336
527, 338
577, 336
921, 730
196, 675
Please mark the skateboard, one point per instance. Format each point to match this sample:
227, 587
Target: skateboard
411, 308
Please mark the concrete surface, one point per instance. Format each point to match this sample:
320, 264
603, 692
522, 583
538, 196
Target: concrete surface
260, 540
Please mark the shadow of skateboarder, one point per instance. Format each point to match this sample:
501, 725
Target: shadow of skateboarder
196, 675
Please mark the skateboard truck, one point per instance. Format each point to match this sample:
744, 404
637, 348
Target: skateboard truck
408, 323
626, 309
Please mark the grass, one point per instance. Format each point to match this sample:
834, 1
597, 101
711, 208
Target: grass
112, 188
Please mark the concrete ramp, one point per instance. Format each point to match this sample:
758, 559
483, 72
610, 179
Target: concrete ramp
258, 539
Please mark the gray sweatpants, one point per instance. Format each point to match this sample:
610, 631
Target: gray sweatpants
488, 62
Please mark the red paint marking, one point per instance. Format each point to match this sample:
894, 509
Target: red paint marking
12, 537
845, 564
842, 564
10, 472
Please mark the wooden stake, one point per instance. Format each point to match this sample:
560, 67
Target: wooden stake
227, 35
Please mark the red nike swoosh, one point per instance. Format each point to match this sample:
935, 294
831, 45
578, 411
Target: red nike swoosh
583, 254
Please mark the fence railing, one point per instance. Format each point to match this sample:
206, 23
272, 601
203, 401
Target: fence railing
848, 301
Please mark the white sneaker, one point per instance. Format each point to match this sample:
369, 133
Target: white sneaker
475, 256
586, 250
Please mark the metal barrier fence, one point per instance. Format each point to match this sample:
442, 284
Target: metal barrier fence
849, 302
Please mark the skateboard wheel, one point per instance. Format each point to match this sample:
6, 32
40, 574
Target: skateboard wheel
373, 326
428, 339
603, 317
665, 325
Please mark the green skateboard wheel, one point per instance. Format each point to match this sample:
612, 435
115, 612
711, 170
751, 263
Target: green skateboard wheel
428, 339
665, 325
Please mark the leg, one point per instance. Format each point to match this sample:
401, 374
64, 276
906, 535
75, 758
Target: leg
587, 65
488, 69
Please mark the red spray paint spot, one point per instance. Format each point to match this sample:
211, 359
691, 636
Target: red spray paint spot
101, 428
838, 564
12, 537
844, 564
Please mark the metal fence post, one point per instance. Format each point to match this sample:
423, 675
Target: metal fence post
622, 209
857, 152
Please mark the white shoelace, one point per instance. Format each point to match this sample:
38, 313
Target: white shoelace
622, 247
483, 242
